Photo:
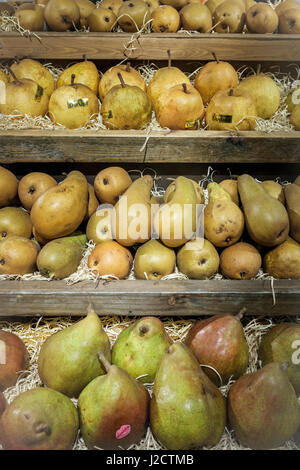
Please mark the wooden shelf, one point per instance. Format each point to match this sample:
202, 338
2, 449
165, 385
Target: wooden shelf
164, 298
232, 47
161, 146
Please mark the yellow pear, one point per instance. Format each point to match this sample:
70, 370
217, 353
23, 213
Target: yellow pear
110, 79
153, 261
62, 15
86, 73
198, 259
265, 93
102, 20
32, 69
133, 15
30, 16
9, 187
86, 7
113, 5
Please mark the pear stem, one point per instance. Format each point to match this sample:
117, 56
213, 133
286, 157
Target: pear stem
13, 76
169, 58
121, 80
84, 57
72, 78
128, 67
230, 92
215, 57
104, 361
258, 70
90, 309
185, 88
284, 366
240, 315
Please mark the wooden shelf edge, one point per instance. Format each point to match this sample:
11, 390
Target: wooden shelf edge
164, 298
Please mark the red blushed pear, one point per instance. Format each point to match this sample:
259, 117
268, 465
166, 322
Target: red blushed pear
13, 359
220, 342
180, 107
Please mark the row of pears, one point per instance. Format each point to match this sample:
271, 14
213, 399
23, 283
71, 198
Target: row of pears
186, 409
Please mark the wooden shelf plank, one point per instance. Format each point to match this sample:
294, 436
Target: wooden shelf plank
164, 298
233, 47
161, 146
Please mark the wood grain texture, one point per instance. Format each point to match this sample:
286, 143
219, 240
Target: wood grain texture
164, 298
245, 47
161, 147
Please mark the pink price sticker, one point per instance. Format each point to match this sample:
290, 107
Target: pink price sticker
123, 431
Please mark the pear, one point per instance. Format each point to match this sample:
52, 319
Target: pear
30, 16
164, 79
140, 348
3, 404
39, 419
113, 409
3, 78
280, 344
187, 410
165, 19
293, 99
223, 219
92, 204
266, 218
14, 359
133, 213
86, 73
231, 188
86, 7
198, 259
180, 107
60, 258
286, 5
229, 17
100, 226
231, 109
62, 15
18, 255
34, 70
289, 21
101, 20
283, 262
68, 359
196, 17
133, 15
9, 187
152, 4
295, 117
263, 408
240, 261
14, 221
32, 186
73, 105
178, 4
176, 221
274, 189
261, 19
154, 261
60, 210
265, 93
292, 196
110, 259
126, 107
212, 5
172, 188
111, 183
113, 5
24, 97
220, 342
110, 79
215, 76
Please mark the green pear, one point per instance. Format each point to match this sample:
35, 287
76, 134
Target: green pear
140, 347
282, 344
292, 196
113, 409
14, 221
187, 410
198, 259
153, 261
39, 419
60, 258
68, 359
263, 408
266, 218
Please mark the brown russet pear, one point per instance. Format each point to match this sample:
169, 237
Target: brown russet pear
198, 259
229, 17
231, 109
215, 76
62, 15
196, 17
261, 19
30, 16
176, 221
34, 70
289, 21
68, 359
9, 187
165, 19
100, 226
231, 188
14, 221
266, 218
147, 335
126, 107
133, 15
111, 183
187, 410
101, 20
86, 7
32, 186
113, 5
223, 219
60, 210
3, 404
220, 342
153, 261
14, 359
240, 261
18, 255
283, 262
39, 419
113, 420
85, 72
265, 93
292, 197
274, 189
164, 79
180, 107
263, 408
110, 259
133, 213
110, 78
279, 344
